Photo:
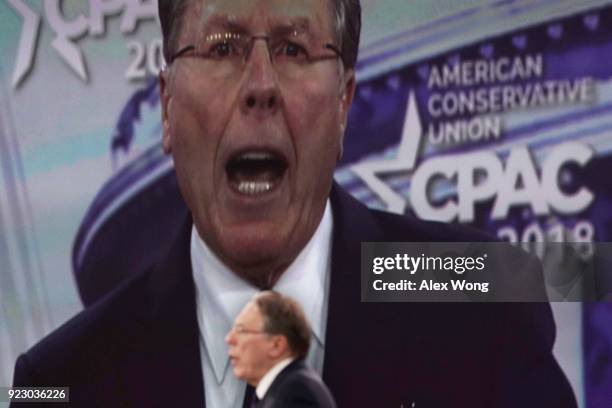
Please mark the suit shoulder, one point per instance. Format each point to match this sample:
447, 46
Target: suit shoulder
112, 320
303, 385
406, 227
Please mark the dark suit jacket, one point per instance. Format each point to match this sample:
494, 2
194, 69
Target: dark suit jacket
297, 386
139, 346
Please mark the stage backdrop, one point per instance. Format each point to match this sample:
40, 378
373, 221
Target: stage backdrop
496, 114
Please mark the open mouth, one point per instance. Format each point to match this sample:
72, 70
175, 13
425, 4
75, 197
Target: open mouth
255, 172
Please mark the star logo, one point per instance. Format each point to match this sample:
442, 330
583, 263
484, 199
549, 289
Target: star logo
65, 33
27, 41
404, 162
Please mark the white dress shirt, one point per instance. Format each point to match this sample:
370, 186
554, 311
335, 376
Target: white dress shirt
269, 377
221, 295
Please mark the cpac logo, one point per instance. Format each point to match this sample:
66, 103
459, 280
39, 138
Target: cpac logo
478, 177
68, 31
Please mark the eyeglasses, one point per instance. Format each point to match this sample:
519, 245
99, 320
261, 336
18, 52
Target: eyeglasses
243, 330
223, 55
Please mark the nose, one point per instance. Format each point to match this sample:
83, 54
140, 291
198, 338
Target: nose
229, 338
261, 94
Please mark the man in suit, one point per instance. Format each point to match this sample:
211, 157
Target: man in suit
255, 100
267, 346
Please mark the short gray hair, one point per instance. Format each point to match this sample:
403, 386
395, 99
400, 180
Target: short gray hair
347, 21
284, 316
171, 13
347, 15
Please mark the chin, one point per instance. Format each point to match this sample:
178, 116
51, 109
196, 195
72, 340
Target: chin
259, 265
238, 375
257, 250
253, 247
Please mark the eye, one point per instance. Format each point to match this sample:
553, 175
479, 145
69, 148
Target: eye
222, 49
292, 50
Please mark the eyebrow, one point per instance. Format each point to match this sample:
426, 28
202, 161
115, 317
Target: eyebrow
298, 25
224, 22
238, 25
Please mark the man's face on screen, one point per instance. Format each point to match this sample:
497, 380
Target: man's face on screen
253, 115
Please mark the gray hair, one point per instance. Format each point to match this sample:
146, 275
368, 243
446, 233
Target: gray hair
284, 316
348, 28
171, 13
347, 21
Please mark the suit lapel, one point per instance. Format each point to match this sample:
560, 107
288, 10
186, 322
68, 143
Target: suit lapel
352, 222
175, 363
272, 392
294, 365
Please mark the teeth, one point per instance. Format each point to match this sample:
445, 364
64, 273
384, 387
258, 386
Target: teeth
255, 156
254, 187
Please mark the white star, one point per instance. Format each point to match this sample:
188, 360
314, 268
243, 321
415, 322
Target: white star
27, 40
404, 162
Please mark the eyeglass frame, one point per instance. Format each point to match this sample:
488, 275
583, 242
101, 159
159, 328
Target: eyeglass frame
182, 52
243, 330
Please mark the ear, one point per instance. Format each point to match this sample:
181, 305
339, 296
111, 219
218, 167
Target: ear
347, 92
166, 100
280, 347
346, 95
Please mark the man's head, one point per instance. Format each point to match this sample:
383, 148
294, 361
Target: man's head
254, 114
270, 328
